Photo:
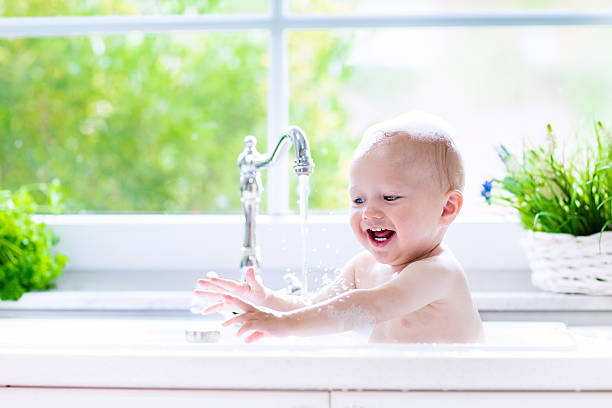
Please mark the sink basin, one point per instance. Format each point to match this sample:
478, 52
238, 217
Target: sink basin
171, 334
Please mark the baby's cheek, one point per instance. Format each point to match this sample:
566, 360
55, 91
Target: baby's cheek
361, 237
355, 232
355, 221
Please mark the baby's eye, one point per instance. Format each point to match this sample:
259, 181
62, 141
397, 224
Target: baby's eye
358, 201
390, 197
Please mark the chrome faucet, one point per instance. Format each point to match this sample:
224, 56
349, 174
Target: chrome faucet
250, 163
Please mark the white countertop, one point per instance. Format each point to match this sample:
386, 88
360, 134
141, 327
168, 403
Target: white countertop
146, 353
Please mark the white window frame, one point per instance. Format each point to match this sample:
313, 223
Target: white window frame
176, 241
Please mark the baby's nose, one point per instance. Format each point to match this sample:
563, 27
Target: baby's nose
372, 211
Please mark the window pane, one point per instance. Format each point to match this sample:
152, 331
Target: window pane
318, 80
495, 85
428, 6
30, 8
132, 123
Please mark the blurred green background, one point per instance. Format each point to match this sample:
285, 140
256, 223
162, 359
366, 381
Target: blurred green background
146, 123
155, 122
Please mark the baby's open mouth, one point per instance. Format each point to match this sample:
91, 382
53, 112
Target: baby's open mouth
380, 236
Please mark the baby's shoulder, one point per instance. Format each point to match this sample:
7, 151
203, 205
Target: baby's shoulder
363, 261
443, 263
367, 270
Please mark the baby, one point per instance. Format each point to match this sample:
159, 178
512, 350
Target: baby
406, 178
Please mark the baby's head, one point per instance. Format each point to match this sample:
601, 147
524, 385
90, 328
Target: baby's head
406, 180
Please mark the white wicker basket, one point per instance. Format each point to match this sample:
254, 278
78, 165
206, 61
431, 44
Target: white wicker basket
569, 264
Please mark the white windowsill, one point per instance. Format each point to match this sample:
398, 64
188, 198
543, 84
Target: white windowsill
213, 242
149, 263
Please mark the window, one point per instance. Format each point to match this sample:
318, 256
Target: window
496, 85
141, 106
150, 113
132, 122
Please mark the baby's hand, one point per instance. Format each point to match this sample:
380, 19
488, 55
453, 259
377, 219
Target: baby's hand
252, 290
260, 322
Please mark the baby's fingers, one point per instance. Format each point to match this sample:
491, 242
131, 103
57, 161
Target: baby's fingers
213, 308
242, 305
252, 279
208, 294
235, 319
227, 284
221, 307
256, 335
247, 326
210, 285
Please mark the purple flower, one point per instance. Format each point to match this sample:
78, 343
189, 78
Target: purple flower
486, 190
503, 154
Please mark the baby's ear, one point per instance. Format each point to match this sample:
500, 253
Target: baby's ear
452, 206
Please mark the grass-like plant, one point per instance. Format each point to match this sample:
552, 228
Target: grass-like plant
558, 191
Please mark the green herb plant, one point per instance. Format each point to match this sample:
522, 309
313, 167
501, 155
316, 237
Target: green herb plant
558, 191
26, 259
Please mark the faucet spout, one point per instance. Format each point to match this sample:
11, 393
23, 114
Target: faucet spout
295, 136
303, 164
250, 164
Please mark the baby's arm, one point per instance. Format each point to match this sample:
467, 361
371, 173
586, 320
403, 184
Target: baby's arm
254, 292
345, 281
416, 286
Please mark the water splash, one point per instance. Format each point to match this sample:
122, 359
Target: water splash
199, 303
303, 192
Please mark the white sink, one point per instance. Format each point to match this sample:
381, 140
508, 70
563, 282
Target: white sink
171, 334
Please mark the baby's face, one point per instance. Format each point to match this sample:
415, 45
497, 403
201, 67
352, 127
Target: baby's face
396, 204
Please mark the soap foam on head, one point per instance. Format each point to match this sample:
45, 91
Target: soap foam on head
431, 135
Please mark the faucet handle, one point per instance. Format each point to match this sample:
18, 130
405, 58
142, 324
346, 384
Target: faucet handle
249, 155
250, 142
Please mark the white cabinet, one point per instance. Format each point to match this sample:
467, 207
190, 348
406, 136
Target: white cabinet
130, 398
35, 397
496, 399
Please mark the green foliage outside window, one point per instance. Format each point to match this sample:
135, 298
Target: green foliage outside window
317, 107
32, 8
145, 123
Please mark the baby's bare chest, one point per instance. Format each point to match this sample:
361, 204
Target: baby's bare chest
423, 325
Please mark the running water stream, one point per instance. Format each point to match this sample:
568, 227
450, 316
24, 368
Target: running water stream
303, 192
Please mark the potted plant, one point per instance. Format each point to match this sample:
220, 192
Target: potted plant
564, 200
27, 261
